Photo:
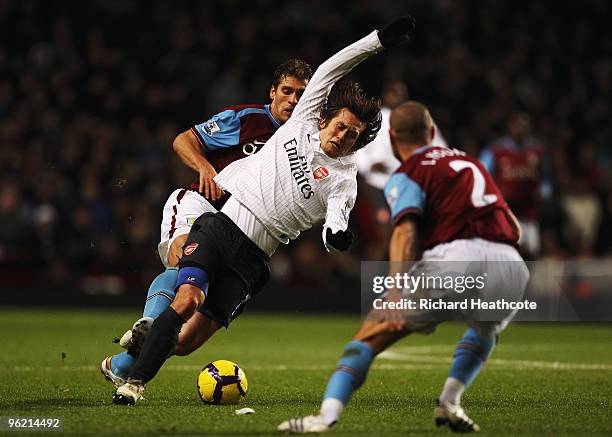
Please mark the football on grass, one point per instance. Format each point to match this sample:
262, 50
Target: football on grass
222, 382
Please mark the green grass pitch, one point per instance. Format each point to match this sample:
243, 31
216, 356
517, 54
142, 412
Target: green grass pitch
543, 379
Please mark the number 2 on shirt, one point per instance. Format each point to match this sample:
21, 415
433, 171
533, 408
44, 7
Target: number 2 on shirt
479, 198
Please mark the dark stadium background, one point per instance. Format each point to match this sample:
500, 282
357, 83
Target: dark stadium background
93, 93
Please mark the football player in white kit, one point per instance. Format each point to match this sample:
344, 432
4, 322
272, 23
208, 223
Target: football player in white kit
208, 147
304, 174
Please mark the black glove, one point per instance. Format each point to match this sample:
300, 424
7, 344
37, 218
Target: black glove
340, 240
397, 33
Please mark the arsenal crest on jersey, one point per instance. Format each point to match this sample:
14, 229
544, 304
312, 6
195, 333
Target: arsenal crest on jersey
321, 173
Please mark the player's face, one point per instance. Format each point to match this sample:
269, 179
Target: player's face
338, 135
519, 127
285, 96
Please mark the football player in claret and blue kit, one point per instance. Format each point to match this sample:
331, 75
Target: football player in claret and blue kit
445, 207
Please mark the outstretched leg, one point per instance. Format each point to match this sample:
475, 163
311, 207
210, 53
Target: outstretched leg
163, 336
159, 297
372, 338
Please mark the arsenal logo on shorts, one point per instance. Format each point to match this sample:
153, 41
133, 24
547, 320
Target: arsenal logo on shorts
321, 173
191, 248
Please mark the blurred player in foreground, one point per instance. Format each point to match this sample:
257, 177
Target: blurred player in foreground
446, 201
305, 173
207, 148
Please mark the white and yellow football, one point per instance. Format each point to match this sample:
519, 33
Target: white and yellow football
222, 382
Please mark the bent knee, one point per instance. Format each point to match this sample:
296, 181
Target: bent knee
372, 329
188, 299
379, 334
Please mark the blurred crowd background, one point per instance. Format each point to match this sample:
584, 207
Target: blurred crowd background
93, 93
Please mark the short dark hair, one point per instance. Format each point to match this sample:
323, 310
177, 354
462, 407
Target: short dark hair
350, 95
293, 67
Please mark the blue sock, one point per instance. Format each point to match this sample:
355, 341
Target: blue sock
350, 372
159, 297
470, 354
161, 293
121, 364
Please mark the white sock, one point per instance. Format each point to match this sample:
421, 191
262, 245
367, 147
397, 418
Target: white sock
331, 409
452, 391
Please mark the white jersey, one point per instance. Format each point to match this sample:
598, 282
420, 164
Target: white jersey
291, 183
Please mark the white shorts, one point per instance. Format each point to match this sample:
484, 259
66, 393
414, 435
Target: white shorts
182, 208
504, 269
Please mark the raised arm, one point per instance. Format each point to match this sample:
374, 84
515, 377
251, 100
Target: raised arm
330, 71
340, 64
